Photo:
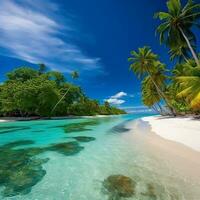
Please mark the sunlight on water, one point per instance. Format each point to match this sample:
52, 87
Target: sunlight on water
83, 159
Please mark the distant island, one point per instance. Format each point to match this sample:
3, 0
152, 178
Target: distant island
28, 92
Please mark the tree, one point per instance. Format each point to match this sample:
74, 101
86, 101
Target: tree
107, 105
42, 68
22, 74
35, 96
47, 96
179, 103
180, 52
177, 25
28, 93
7, 98
150, 96
145, 62
58, 77
74, 75
188, 83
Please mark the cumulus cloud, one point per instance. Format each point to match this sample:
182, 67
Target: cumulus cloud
115, 99
35, 32
119, 95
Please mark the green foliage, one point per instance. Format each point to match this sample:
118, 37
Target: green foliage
58, 77
30, 92
143, 61
176, 27
34, 96
150, 95
188, 82
178, 103
180, 90
75, 75
22, 74
42, 68
91, 107
146, 65
177, 17
180, 52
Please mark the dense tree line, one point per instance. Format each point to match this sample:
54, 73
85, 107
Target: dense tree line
30, 92
175, 91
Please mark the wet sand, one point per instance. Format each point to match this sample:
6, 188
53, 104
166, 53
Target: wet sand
179, 158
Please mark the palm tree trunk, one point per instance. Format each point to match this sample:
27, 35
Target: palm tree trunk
184, 57
60, 99
162, 95
190, 47
155, 109
160, 108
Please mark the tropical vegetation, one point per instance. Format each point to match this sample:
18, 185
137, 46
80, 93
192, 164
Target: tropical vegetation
175, 91
38, 92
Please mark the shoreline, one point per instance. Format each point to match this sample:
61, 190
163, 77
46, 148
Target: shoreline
183, 130
12, 119
178, 157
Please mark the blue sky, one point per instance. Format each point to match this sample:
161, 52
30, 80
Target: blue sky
93, 37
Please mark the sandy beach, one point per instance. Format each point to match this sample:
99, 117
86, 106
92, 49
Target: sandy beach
173, 141
184, 130
4, 120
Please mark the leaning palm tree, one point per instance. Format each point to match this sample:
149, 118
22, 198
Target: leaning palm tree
150, 96
145, 62
74, 75
177, 24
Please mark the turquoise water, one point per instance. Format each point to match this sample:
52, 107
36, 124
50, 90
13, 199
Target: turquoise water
70, 159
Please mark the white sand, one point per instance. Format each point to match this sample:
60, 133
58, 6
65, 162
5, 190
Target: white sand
3, 120
171, 151
181, 130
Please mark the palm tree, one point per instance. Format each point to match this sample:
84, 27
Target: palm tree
142, 61
145, 62
183, 69
74, 75
150, 96
42, 68
180, 52
177, 25
189, 82
180, 103
57, 76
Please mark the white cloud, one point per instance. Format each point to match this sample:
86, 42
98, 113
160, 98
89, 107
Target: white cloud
115, 99
119, 95
33, 31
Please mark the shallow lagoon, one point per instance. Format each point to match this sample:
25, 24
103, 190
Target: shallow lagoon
72, 159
